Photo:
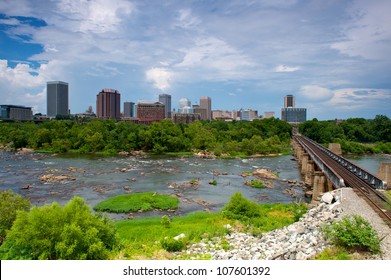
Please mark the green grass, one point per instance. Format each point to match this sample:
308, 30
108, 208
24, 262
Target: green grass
138, 201
146, 238
258, 184
142, 237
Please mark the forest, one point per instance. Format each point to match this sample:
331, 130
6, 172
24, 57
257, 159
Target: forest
225, 139
111, 137
356, 135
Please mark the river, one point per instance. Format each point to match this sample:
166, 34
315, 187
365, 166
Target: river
98, 178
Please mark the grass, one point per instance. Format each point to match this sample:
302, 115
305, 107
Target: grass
145, 238
258, 184
142, 237
138, 201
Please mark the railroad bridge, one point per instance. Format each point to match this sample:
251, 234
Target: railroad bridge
326, 170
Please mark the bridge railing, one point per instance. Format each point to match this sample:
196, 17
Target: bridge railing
333, 176
373, 180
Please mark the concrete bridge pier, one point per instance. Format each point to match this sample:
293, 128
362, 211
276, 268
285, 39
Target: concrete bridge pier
385, 173
304, 162
320, 185
308, 176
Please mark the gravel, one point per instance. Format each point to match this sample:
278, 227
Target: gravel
299, 241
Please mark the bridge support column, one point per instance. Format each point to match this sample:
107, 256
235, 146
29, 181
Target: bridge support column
385, 173
319, 185
329, 185
308, 177
304, 162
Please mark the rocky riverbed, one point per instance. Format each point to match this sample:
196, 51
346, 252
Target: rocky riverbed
299, 241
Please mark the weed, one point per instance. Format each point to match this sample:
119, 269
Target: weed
353, 232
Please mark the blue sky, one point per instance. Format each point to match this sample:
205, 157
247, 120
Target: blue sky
332, 55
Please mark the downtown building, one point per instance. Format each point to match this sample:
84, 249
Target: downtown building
57, 98
15, 113
165, 99
206, 104
149, 112
108, 104
290, 113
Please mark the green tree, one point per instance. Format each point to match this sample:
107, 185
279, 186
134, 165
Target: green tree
54, 232
10, 203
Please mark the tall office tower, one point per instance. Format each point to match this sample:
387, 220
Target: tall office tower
206, 103
289, 101
294, 115
57, 98
166, 100
129, 110
108, 103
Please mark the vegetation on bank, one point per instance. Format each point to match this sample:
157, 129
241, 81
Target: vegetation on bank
74, 232
110, 137
356, 135
126, 203
53, 232
353, 237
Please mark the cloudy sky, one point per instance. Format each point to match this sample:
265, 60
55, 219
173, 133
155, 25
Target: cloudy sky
334, 56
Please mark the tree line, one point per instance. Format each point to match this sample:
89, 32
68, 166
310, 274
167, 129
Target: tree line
356, 135
110, 137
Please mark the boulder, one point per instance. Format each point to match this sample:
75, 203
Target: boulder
327, 198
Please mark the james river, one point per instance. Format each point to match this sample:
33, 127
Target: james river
98, 178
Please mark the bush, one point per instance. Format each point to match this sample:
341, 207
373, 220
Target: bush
172, 245
240, 208
53, 232
10, 203
353, 232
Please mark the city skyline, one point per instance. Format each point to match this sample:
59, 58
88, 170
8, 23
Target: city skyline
333, 56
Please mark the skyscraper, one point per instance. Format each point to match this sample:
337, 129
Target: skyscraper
290, 113
129, 110
108, 103
206, 103
166, 100
57, 98
289, 101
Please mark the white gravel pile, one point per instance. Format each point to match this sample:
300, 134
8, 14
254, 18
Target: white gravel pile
301, 240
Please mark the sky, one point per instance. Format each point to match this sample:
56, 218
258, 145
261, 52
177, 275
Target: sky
334, 56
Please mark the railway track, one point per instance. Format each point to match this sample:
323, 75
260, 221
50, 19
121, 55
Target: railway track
379, 203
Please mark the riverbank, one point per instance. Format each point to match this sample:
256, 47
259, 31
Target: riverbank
299, 241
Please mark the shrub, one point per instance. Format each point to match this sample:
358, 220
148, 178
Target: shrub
353, 232
54, 232
172, 245
240, 208
10, 203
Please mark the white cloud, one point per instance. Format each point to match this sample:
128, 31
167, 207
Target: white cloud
97, 16
316, 93
213, 58
186, 19
23, 85
161, 77
368, 33
285, 68
361, 98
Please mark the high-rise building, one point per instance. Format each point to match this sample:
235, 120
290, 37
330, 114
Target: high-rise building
57, 94
206, 103
129, 110
294, 115
108, 103
289, 101
248, 115
13, 112
166, 100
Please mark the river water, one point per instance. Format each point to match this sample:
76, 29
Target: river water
98, 178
